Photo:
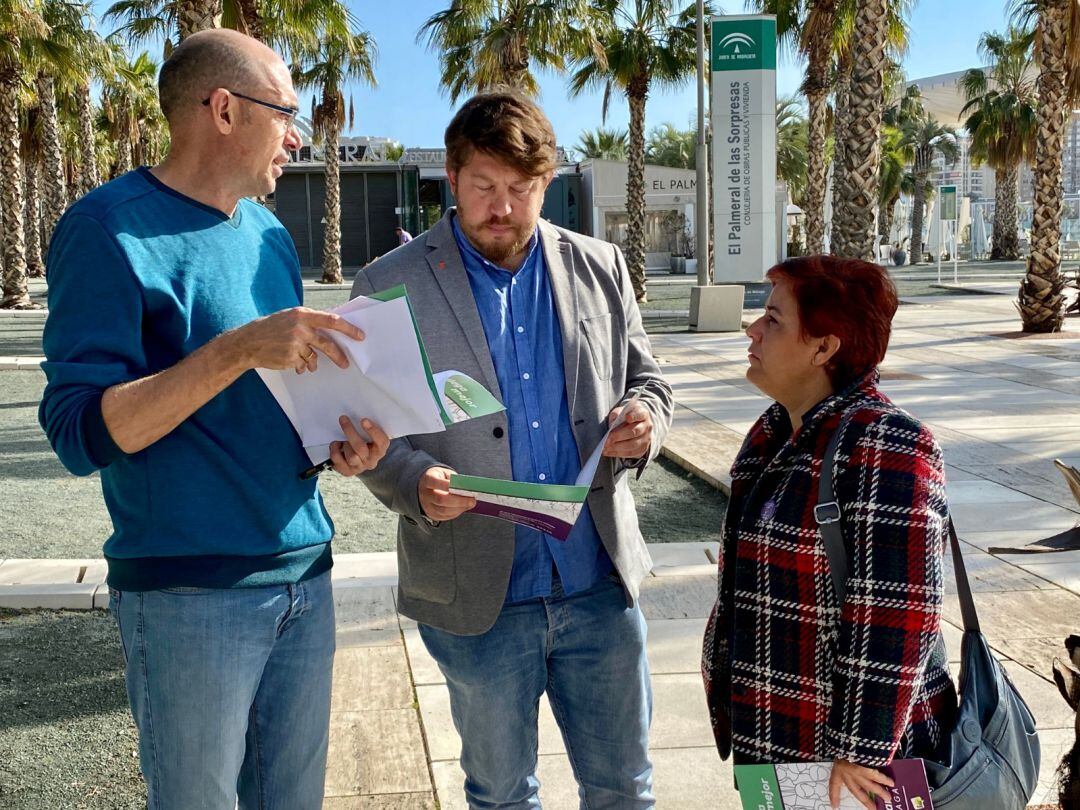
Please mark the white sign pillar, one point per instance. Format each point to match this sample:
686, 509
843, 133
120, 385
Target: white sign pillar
743, 54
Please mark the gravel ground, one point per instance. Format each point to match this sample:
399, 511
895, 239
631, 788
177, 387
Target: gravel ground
66, 735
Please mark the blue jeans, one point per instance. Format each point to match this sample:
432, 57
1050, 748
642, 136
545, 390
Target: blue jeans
230, 690
587, 651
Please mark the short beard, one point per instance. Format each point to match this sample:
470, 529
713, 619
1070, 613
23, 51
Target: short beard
498, 253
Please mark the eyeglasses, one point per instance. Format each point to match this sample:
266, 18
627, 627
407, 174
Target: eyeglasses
290, 112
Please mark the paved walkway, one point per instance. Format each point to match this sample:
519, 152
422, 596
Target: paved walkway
1002, 408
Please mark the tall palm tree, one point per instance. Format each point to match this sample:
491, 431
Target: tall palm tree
792, 144
56, 59
490, 43
171, 21
327, 68
816, 29
896, 178
668, 146
21, 22
30, 137
130, 111
649, 44
879, 33
1057, 33
602, 144
928, 138
1002, 118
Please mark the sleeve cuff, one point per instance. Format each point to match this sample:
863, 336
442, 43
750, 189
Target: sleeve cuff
100, 446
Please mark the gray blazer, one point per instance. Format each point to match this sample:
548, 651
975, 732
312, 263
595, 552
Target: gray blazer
454, 575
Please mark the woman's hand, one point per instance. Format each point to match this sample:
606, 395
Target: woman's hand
863, 783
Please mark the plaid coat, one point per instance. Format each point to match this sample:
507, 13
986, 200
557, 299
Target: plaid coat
790, 674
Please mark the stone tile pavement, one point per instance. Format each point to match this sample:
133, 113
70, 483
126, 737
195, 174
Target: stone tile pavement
1002, 408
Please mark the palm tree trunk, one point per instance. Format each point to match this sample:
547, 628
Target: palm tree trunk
1006, 235
332, 211
838, 231
637, 93
35, 266
14, 287
1040, 298
54, 187
862, 152
816, 88
124, 151
197, 15
253, 23
88, 173
918, 210
885, 220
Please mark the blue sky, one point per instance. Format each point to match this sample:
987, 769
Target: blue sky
408, 107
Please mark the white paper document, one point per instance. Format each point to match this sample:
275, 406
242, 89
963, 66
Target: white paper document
388, 381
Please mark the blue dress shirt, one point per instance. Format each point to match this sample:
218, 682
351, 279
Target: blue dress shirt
523, 335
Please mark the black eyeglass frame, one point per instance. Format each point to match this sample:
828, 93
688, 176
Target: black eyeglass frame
292, 112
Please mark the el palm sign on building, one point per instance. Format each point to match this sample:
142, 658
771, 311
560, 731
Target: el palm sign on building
743, 57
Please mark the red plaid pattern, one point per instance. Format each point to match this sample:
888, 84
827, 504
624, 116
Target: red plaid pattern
790, 674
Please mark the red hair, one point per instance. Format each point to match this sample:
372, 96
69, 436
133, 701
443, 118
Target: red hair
849, 298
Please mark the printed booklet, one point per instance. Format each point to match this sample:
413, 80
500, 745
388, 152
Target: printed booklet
805, 786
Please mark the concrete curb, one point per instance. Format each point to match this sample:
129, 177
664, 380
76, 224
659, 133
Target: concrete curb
20, 363
80, 584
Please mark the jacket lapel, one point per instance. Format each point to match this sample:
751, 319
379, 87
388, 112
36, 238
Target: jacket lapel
560, 269
444, 259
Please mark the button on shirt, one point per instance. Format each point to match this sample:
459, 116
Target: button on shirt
521, 325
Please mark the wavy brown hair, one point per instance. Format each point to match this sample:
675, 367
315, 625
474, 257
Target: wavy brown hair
505, 125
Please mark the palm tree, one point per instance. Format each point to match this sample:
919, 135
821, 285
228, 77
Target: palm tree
490, 43
602, 144
1002, 118
56, 59
878, 34
327, 68
171, 21
1057, 36
130, 111
928, 138
896, 179
668, 146
30, 136
792, 138
815, 29
21, 22
648, 44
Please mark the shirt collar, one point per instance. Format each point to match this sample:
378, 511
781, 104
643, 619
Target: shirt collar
471, 252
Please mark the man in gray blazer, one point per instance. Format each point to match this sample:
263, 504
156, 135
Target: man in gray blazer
547, 320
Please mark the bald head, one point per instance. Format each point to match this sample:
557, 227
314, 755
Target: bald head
210, 59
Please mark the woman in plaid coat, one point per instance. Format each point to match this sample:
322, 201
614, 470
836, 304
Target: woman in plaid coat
790, 674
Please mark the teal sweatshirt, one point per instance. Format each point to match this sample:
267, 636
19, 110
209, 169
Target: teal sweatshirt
140, 276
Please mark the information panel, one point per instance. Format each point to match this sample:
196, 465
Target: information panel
743, 55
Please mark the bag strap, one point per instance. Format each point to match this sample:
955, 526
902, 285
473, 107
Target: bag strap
829, 517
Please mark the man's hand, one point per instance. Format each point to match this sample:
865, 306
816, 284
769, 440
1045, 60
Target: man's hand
435, 498
633, 438
863, 783
290, 338
354, 455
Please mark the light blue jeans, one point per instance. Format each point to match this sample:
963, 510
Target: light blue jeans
230, 690
587, 651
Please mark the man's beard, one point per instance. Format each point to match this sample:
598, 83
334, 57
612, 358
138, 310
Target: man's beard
497, 252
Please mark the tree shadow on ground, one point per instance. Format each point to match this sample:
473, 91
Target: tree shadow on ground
56, 666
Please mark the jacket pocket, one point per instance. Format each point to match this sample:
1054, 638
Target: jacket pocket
426, 566
597, 331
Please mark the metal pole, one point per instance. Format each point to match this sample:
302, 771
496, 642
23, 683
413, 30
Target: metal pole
701, 209
956, 248
941, 234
